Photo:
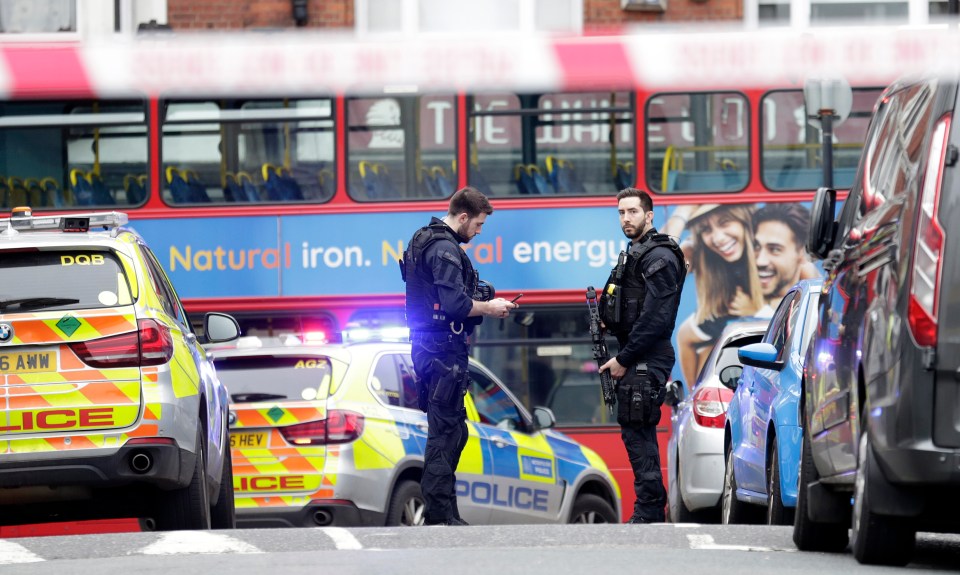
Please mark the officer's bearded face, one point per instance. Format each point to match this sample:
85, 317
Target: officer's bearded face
633, 220
470, 228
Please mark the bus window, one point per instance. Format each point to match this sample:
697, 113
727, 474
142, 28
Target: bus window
791, 147
544, 355
401, 148
64, 154
236, 152
570, 144
698, 142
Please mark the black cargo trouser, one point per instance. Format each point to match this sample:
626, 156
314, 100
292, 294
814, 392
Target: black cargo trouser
643, 450
440, 361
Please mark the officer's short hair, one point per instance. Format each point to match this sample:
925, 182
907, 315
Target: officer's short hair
469, 200
793, 215
646, 202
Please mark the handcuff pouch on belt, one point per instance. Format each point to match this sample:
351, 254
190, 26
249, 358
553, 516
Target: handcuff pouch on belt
639, 401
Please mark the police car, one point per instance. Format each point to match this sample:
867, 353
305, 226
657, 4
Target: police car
330, 434
108, 404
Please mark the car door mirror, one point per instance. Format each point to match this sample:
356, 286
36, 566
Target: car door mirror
762, 355
674, 393
822, 223
730, 375
543, 418
220, 327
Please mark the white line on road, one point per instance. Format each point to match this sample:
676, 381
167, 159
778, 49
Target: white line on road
705, 542
342, 538
184, 542
11, 552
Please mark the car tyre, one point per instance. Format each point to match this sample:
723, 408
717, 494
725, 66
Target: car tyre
809, 535
590, 508
678, 509
223, 515
406, 505
777, 512
187, 507
877, 539
734, 511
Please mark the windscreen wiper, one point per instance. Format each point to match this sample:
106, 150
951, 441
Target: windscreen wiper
35, 302
250, 397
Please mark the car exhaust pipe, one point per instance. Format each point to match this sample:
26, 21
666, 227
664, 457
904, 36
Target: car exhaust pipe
140, 462
322, 517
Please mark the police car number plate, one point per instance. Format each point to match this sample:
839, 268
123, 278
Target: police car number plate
27, 362
247, 440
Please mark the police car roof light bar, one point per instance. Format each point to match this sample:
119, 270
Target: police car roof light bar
22, 219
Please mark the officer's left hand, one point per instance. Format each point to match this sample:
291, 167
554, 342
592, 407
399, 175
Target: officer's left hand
617, 371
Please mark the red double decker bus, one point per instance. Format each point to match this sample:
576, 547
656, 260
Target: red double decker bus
290, 210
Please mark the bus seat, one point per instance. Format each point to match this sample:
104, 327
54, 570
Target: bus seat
4, 193
35, 195
279, 184
445, 186
426, 183
563, 177
178, 186
538, 184
386, 182
623, 177
17, 193
88, 189
476, 179
231, 189
327, 182
197, 189
521, 179
135, 188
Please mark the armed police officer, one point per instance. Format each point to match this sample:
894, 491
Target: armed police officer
445, 301
639, 306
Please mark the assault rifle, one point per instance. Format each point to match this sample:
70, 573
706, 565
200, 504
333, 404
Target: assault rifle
600, 349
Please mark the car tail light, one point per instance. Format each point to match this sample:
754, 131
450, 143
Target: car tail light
151, 344
339, 427
710, 406
925, 283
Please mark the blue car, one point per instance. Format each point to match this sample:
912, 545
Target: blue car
762, 439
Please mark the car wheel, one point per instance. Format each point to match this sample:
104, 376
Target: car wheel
809, 535
777, 513
187, 507
590, 508
877, 539
678, 509
223, 514
406, 505
734, 511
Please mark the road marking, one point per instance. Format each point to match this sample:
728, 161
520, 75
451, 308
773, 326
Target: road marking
705, 542
185, 542
342, 538
11, 552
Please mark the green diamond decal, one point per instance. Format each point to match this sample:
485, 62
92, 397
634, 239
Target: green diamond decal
68, 324
275, 414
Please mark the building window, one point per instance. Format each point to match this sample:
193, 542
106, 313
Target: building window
861, 12
38, 16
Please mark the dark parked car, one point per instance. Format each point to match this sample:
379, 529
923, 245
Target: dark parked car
881, 394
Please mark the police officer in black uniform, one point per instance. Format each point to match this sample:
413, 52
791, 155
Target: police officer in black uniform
445, 301
639, 306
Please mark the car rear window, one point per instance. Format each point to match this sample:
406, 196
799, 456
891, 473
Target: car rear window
60, 280
275, 378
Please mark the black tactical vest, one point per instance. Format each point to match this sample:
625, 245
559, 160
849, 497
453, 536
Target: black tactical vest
423, 301
622, 299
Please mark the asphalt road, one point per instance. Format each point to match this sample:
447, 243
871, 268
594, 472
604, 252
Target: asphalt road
522, 549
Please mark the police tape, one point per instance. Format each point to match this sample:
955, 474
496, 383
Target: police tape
309, 63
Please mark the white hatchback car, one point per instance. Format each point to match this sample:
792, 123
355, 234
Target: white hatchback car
695, 463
